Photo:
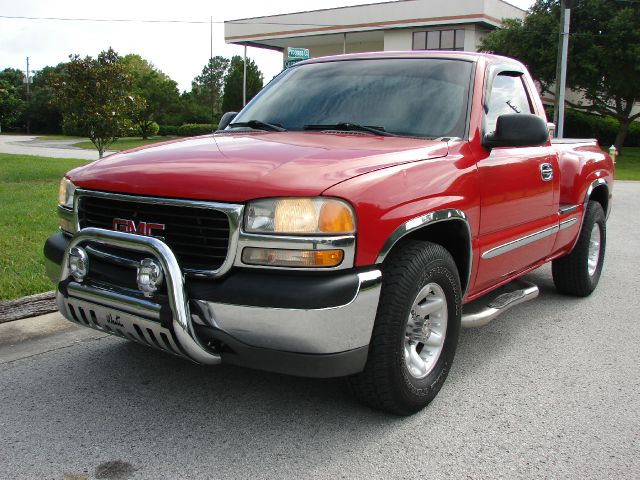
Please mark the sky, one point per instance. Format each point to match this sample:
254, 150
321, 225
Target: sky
179, 50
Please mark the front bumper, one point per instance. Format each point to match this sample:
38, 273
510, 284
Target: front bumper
303, 324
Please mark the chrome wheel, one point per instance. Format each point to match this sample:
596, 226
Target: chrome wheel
426, 330
594, 250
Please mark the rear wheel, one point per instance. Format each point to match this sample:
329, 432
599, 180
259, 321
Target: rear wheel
578, 272
416, 330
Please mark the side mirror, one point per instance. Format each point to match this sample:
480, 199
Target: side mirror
226, 119
517, 130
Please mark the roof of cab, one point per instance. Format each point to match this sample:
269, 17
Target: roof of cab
453, 55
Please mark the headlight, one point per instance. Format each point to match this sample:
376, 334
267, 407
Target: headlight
295, 216
65, 193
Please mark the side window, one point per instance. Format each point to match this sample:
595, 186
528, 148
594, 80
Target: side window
508, 95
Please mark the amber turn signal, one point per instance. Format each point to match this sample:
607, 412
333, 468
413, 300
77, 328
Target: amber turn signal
276, 257
335, 217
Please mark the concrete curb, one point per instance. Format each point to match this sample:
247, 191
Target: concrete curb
30, 306
44, 333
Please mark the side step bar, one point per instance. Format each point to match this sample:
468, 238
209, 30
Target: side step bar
478, 314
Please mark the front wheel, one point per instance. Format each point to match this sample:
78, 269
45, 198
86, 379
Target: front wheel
578, 272
416, 330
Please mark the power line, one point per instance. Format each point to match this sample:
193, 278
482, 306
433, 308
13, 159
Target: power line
105, 20
190, 22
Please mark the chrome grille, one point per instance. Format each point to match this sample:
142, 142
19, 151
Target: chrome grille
198, 236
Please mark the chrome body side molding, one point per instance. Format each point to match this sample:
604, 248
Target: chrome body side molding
567, 209
520, 242
449, 214
567, 223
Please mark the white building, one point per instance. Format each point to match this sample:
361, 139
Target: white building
398, 25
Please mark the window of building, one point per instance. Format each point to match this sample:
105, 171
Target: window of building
439, 40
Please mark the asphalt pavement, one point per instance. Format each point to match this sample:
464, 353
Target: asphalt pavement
549, 390
32, 145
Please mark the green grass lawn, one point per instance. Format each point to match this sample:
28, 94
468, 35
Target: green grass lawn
628, 164
28, 198
121, 144
58, 137
124, 143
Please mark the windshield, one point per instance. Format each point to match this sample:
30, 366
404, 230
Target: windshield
421, 97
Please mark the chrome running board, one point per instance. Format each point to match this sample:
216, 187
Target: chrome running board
478, 313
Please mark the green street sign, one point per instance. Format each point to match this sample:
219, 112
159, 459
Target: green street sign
299, 53
289, 62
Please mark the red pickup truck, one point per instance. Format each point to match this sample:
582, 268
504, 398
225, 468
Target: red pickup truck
349, 221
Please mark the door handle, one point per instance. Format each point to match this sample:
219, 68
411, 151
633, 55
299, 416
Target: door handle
546, 172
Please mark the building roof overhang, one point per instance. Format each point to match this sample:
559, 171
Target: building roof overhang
316, 26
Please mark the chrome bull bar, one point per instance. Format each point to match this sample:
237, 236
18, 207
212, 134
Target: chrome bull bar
181, 322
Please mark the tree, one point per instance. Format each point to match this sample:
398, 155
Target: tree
604, 53
10, 103
96, 98
12, 98
206, 89
41, 111
193, 110
232, 98
14, 76
159, 92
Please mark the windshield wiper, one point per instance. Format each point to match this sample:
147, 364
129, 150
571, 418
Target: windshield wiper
259, 125
351, 127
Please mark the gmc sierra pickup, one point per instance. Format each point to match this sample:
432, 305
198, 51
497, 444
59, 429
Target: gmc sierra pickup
349, 221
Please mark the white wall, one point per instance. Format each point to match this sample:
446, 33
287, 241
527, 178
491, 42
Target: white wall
337, 48
399, 39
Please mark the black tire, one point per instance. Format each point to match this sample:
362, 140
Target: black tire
386, 383
571, 274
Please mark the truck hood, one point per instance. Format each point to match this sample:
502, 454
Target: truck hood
237, 167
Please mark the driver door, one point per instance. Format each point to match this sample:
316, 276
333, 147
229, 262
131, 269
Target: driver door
518, 193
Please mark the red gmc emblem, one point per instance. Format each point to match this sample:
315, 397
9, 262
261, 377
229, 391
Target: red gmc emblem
129, 226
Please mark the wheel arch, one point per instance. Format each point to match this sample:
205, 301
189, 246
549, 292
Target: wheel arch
599, 192
448, 228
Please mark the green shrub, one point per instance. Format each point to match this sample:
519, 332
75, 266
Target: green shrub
192, 129
152, 129
585, 125
71, 128
165, 130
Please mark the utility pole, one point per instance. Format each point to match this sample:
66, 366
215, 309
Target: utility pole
28, 97
213, 97
244, 79
561, 68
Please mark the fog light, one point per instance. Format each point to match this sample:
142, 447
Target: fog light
78, 263
149, 277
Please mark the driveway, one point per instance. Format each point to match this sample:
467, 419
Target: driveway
551, 389
29, 145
